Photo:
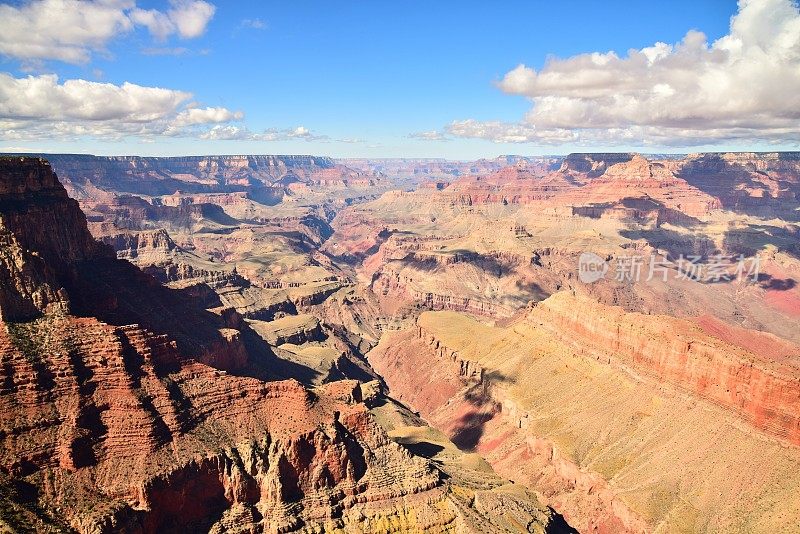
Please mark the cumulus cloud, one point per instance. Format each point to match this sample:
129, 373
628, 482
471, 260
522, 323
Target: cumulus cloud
71, 30
743, 86
159, 24
190, 17
43, 98
41, 107
194, 116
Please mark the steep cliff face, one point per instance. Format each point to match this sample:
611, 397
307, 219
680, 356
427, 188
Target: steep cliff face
163, 176
414, 170
462, 398
586, 179
695, 185
621, 420
764, 184
762, 388
42, 233
640, 178
129, 211
592, 164
128, 407
110, 424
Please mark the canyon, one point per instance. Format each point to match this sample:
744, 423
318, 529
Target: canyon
297, 343
129, 406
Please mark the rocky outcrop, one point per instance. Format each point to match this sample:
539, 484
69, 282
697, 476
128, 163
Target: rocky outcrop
294, 329
42, 233
592, 164
467, 370
133, 212
644, 180
156, 244
158, 444
399, 287
510, 185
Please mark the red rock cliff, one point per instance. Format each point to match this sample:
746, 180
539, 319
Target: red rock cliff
124, 407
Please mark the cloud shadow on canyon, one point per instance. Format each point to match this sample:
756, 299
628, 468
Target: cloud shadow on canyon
481, 408
729, 181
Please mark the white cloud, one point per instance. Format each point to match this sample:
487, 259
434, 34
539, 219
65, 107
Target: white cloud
15, 149
241, 133
60, 29
42, 97
227, 133
301, 132
159, 24
71, 30
744, 86
191, 17
503, 132
431, 135
38, 107
194, 116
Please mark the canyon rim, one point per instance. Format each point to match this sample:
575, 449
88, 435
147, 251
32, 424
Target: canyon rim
263, 270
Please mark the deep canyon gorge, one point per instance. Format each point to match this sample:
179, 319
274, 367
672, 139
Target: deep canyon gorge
303, 344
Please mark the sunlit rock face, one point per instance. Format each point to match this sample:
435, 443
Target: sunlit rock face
319, 304
594, 407
129, 406
605, 396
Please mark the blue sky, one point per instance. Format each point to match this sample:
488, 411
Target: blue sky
364, 76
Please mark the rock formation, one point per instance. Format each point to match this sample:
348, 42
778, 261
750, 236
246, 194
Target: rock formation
281, 312
128, 407
199, 174
622, 420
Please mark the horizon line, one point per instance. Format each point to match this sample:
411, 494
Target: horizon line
395, 158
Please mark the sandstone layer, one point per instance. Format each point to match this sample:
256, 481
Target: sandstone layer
127, 406
624, 422
637, 402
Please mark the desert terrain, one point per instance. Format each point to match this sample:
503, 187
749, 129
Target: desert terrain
296, 343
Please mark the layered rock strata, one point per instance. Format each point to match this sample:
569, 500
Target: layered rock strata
125, 407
